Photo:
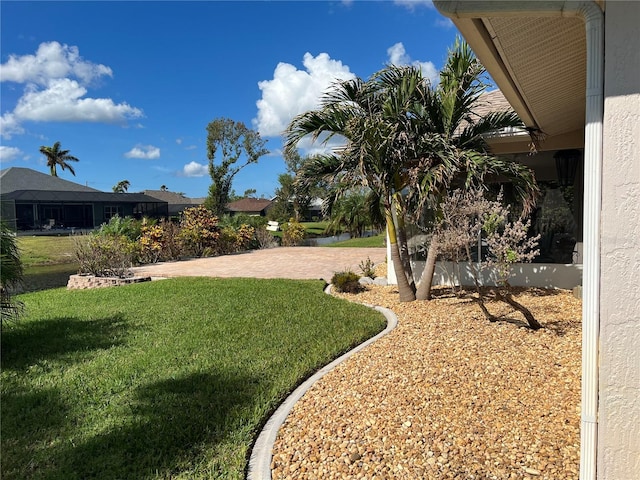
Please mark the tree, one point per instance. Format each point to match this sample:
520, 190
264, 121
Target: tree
232, 140
282, 209
351, 213
409, 143
10, 273
451, 111
249, 192
57, 157
372, 117
121, 187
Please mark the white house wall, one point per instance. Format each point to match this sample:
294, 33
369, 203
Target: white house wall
619, 376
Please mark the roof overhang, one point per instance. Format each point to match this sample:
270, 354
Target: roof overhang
538, 60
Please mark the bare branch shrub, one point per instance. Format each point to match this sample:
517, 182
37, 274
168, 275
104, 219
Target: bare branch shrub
466, 215
265, 239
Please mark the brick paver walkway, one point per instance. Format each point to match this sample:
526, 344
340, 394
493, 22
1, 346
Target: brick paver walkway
281, 262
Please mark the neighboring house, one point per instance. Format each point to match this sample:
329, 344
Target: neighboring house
314, 210
176, 201
250, 206
571, 70
32, 200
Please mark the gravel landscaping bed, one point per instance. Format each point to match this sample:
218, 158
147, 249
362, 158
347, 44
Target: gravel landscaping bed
446, 394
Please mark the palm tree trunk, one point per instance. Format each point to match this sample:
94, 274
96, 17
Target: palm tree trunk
404, 289
426, 279
403, 247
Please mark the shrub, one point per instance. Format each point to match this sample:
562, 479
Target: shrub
105, 255
240, 219
265, 239
292, 233
126, 227
368, 268
199, 231
247, 235
346, 282
159, 242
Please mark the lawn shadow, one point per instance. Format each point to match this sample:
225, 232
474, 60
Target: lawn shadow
172, 425
25, 344
30, 420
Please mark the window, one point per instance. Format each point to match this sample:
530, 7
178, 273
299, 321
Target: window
112, 211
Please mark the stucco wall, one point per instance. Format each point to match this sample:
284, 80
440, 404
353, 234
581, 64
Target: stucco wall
619, 376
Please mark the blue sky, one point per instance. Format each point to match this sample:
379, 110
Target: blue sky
129, 87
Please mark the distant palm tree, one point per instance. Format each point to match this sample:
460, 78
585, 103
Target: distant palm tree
121, 187
56, 157
352, 213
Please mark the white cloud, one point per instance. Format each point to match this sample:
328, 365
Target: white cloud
445, 23
9, 126
63, 101
147, 152
413, 4
194, 169
51, 61
398, 56
293, 91
8, 154
179, 141
56, 80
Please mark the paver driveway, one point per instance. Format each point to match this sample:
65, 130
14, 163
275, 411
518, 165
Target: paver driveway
281, 262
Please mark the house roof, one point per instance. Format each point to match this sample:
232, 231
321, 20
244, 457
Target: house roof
26, 185
19, 178
249, 205
538, 62
173, 198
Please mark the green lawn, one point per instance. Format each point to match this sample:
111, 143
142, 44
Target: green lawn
166, 379
376, 241
46, 250
315, 228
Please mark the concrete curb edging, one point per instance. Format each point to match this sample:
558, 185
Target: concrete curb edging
260, 460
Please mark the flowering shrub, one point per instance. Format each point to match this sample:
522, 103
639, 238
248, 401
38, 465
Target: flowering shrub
233, 240
151, 243
199, 230
159, 242
292, 233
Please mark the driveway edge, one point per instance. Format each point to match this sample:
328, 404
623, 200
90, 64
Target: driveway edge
260, 460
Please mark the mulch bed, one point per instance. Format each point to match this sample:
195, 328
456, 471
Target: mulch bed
447, 394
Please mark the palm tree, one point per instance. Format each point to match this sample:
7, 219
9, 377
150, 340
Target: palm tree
56, 157
10, 273
451, 112
351, 213
121, 187
367, 115
409, 143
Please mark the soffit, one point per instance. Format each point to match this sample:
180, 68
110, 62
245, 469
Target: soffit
539, 64
546, 60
